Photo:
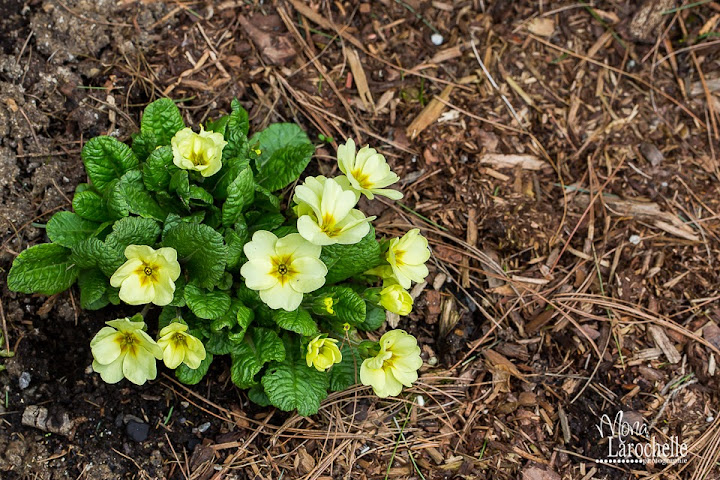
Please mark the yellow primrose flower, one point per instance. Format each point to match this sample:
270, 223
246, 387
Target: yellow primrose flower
180, 347
124, 350
368, 172
282, 269
148, 275
395, 365
396, 299
329, 302
198, 151
322, 353
326, 213
407, 257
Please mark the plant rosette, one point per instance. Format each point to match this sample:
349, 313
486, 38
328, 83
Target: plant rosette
192, 222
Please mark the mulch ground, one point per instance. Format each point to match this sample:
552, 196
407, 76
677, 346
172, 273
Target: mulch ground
560, 157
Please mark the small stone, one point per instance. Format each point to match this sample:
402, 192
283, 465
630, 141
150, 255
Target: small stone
137, 432
437, 39
24, 381
634, 239
204, 427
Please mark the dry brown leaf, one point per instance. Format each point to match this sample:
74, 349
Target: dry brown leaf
360, 78
429, 114
501, 160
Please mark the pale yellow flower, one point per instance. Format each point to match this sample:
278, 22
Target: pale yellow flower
198, 151
395, 365
124, 350
326, 213
407, 257
396, 299
322, 353
282, 270
148, 276
367, 172
180, 347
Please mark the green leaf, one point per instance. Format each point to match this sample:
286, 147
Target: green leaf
257, 395
240, 195
199, 196
128, 231
218, 125
263, 221
206, 304
158, 169
265, 200
44, 268
188, 376
143, 145
201, 251
179, 297
129, 195
218, 184
90, 206
162, 120
285, 151
67, 229
291, 386
239, 119
93, 284
90, 253
235, 246
106, 159
348, 306
258, 348
345, 261
343, 375
298, 321
218, 343
374, 318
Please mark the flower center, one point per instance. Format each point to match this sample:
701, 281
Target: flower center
179, 338
362, 178
128, 339
198, 158
148, 271
282, 269
328, 225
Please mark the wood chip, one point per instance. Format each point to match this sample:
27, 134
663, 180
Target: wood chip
664, 343
543, 27
360, 78
429, 114
500, 160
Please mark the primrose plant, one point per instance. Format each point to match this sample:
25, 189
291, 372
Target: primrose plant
194, 223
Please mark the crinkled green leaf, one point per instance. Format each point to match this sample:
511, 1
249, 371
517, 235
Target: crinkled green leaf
248, 357
128, 231
218, 184
345, 374
206, 304
199, 196
143, 145
295, 386
240, 195
44, 268
238, 119
298, 321
90, 206
347, 306
374, 318
93, 284
188, 376
158, 169
218, 125
201, 252
107, 159
67, 228
263, 221
265, 200
129, 195
285, 151
345, 261
162, 120
257, 395
235, 246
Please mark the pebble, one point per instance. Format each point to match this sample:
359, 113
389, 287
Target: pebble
202, 428
437, 39
137, 432
634, 239
24, 380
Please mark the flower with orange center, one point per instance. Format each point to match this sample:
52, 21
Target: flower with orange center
124, 350
148, 276
282, 269
368, 171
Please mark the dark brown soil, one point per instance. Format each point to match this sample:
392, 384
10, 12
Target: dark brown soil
548, 286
